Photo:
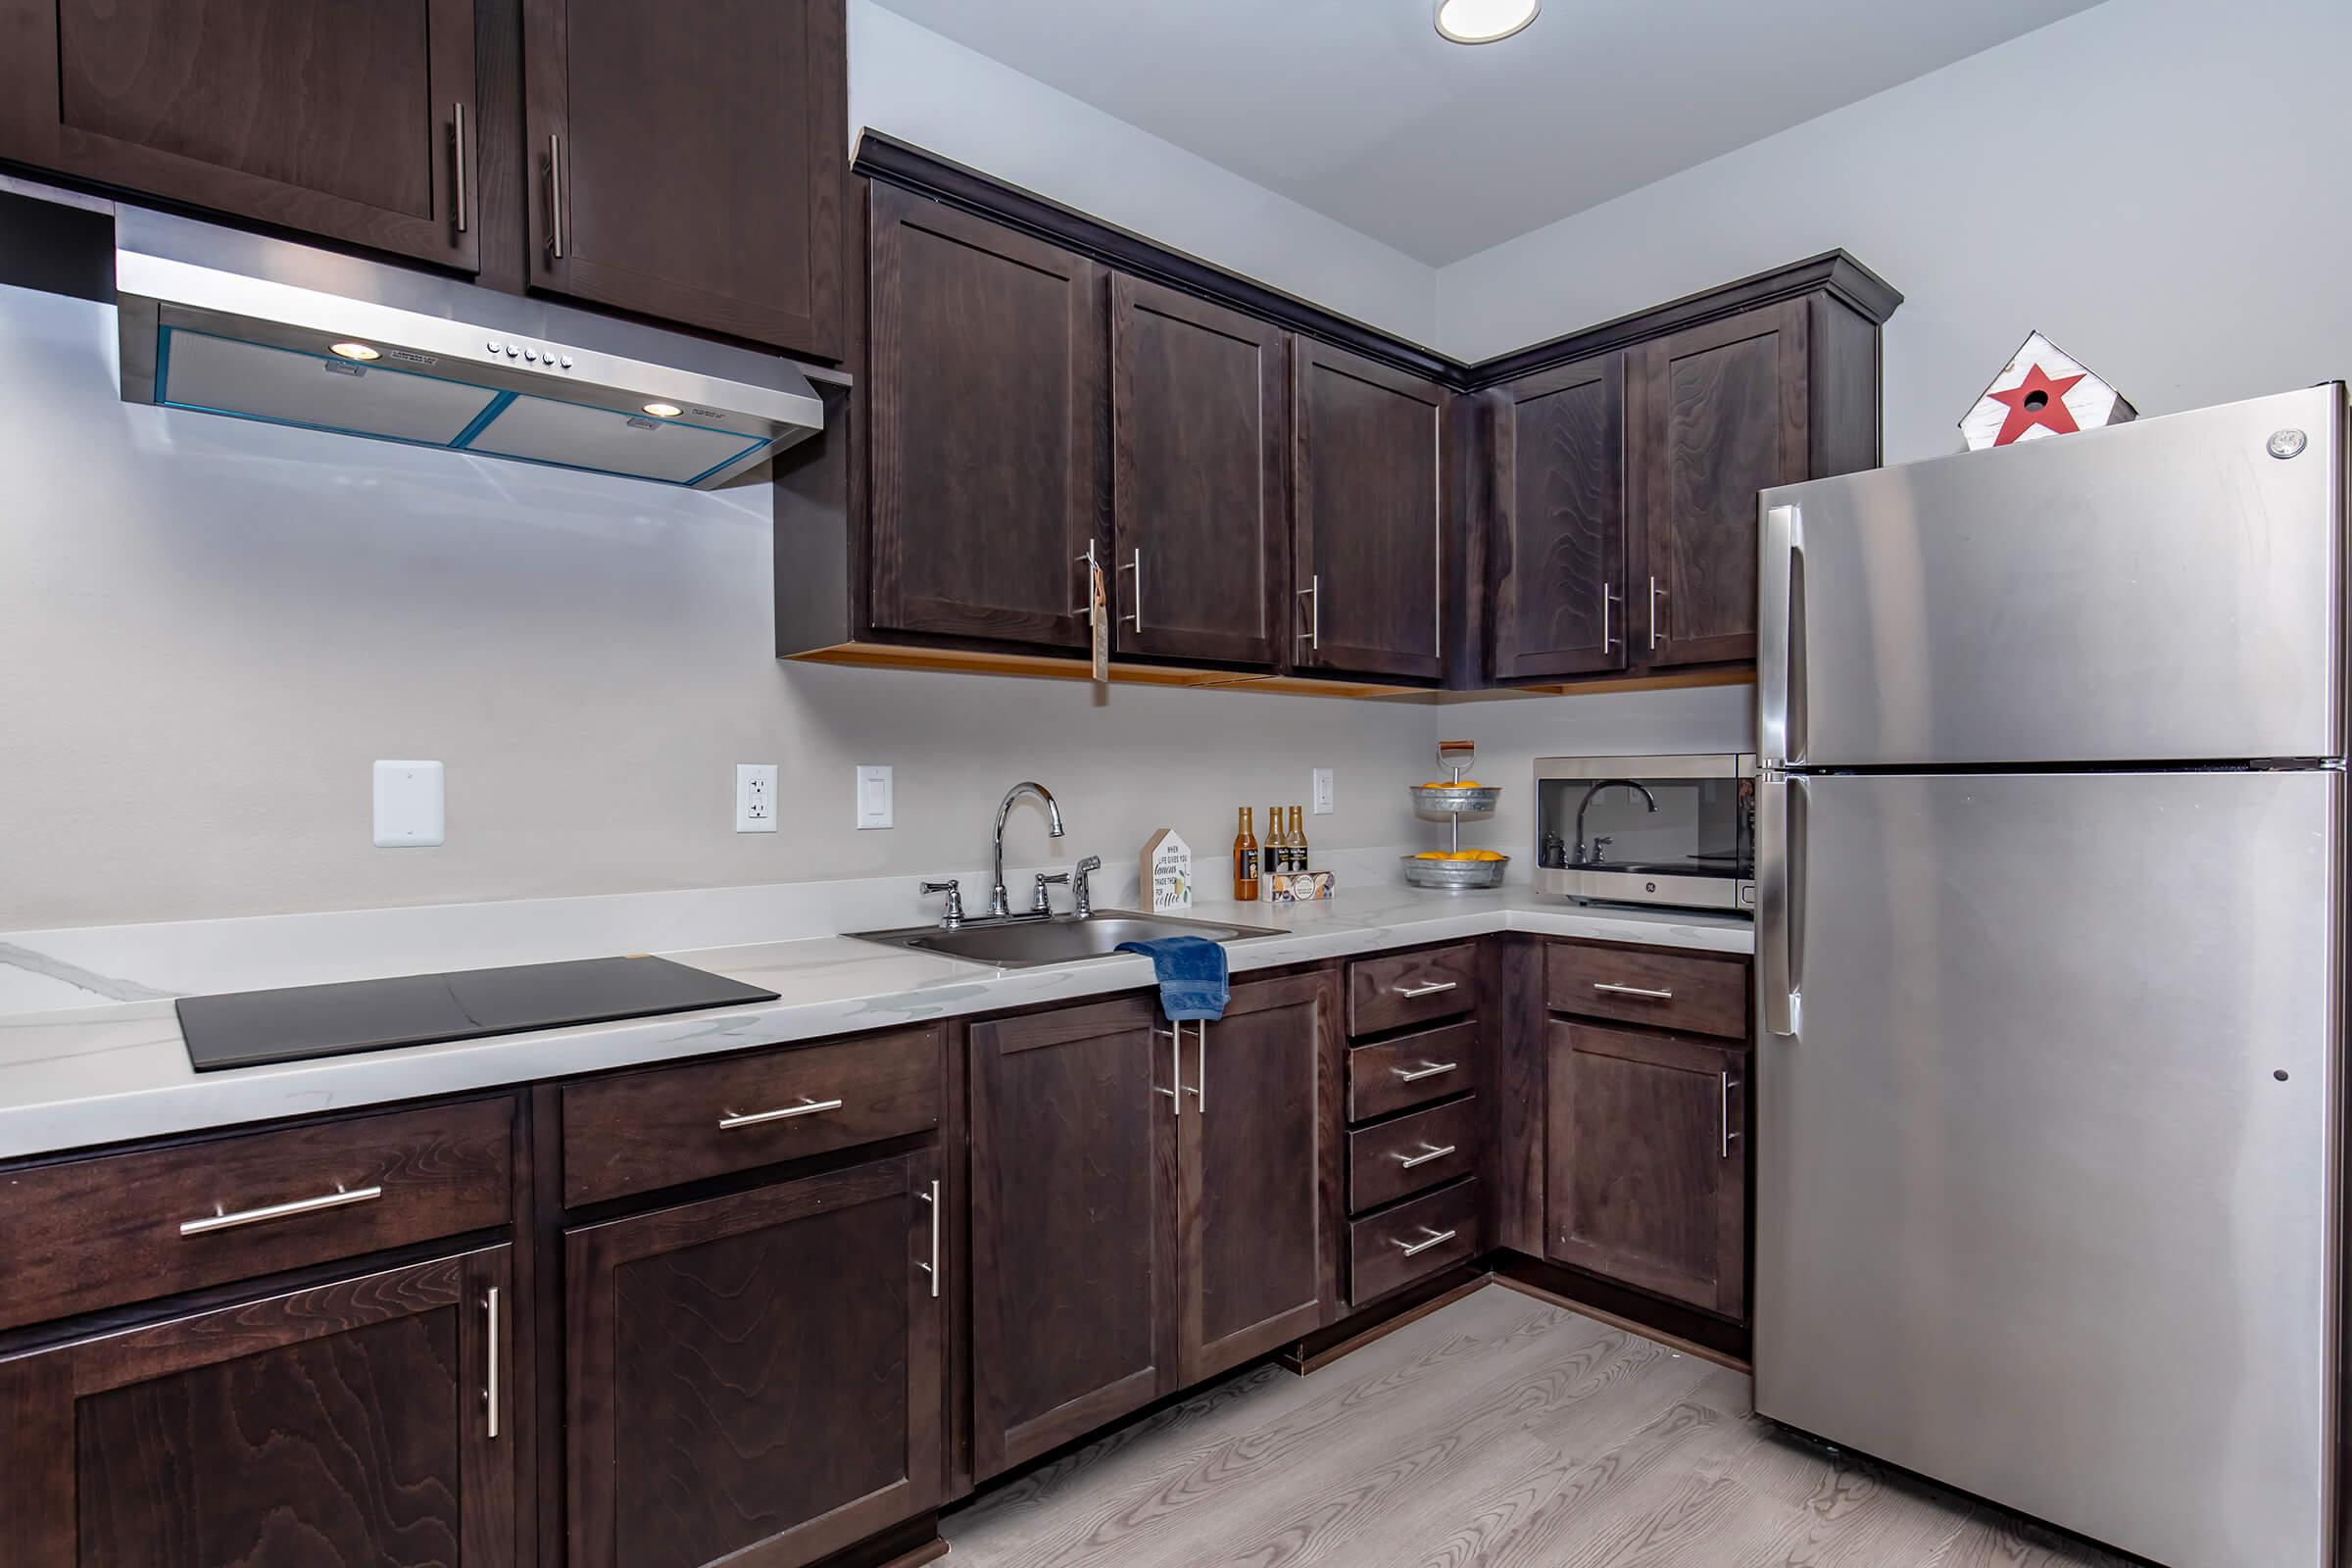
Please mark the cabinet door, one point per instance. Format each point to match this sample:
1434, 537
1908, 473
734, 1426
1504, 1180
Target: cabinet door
687, 162
1073, 1141
756, 1374
1648, 1162
1558, 555
342, 1425
1367, 515
1719, 412
1199, 429
351, 120
986, 391
1258, 1163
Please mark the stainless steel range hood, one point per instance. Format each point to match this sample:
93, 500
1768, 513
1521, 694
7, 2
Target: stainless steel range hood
226, 322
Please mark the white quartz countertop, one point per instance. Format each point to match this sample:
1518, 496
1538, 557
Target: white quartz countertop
93, 1075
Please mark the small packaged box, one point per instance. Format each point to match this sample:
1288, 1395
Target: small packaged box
1297, 887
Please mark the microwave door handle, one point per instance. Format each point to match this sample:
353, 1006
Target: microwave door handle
1779, 637
1780, 868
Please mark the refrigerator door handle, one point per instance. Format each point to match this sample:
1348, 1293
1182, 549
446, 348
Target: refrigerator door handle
1781, 637
1780, 868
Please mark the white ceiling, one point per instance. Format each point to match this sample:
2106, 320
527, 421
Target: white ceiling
1358, 109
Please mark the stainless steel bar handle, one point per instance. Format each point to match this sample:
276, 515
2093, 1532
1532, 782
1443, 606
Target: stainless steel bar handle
1086, 583
1646, 993
1200, 1065
1655, 594
807, 1107
1313, 592
1729, 1133
223, 1220
1434, 988
456, 138
1429, 1152
932, 1268
1174, 1035
490, 1381
555, 196
1432, 1238
1428, 1070
1135, 564
1609, 599
1774, 978
1778, 635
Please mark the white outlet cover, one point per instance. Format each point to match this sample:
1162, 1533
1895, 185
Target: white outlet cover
755, 797
874, 807
1322, 791
409, 812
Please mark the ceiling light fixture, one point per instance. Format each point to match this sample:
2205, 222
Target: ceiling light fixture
355, 350
1483, 21
662, 411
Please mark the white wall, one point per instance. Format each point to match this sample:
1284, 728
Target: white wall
930, 90
2156, 184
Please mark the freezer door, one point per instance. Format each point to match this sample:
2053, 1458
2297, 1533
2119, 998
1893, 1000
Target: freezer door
2046, 1169
2168, 590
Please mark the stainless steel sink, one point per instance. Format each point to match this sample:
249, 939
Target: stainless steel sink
1020, 944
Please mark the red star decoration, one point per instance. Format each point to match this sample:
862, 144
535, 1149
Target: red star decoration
2050, 412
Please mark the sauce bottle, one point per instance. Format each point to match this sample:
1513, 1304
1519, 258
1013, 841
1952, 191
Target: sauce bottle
1245, 861
1297, 838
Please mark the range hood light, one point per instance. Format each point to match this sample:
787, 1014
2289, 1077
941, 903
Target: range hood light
1483, 21
355, 350
664, 410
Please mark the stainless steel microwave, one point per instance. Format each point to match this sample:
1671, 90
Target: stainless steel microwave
1679, 831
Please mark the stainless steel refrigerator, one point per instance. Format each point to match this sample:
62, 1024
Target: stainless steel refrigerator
2051, 886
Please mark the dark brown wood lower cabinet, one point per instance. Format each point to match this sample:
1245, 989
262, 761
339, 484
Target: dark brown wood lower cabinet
1257, 1151
1648, 1163
1073, 1148
341, 1425
755, 1378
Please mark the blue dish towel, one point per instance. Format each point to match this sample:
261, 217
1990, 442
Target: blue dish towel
1192, 975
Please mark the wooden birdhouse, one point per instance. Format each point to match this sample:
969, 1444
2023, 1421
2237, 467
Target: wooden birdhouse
2041, 392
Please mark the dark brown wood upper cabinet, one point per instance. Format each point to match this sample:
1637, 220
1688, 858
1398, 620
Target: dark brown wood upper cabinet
1367, 515
1719, 411
345, 1424
1258, 1147
1073, 1150
686, 162
755, 1378
1648, 1163
357, 122
1199, 425
1558, 545
986, 399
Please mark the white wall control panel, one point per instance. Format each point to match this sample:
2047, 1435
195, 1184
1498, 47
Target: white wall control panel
873, 796
755, 797
1322, 791
407, 805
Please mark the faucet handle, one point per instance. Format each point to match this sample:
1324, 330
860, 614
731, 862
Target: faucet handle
1080, 904
953, 915
1044, 903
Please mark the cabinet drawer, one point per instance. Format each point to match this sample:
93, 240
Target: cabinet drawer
118, 1228
1684, 991
1423, 1149
1406, 988
1416, 1238
667, 1125
1399, 1074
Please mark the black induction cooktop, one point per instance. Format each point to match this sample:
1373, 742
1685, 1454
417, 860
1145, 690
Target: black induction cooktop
246, 1028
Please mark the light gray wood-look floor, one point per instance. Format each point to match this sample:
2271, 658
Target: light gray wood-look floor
1499, 1430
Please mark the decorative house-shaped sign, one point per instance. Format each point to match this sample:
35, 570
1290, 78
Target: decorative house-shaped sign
2041, 392
1166, 872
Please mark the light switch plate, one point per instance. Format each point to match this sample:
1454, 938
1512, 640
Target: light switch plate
1322, 791
873, 796
755, 797
409, 811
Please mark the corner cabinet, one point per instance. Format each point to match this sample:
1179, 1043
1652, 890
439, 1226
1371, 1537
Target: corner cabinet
368, 1420
359, 123
757, 1376
691, 168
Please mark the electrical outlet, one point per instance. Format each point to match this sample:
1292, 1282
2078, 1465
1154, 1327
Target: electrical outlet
1322, 791
873, 796
755, 797
407, 805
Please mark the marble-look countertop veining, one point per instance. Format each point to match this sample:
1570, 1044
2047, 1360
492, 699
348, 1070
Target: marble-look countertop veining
70, 1079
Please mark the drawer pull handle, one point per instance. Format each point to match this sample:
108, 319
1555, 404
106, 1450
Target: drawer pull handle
490, 1382
1428, 1070
1429, 1152
221, 1220
1434, 988
1432, 1238
1646, 993
807, 1107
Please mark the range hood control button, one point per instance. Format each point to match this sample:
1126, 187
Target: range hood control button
568, 361
531, 355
